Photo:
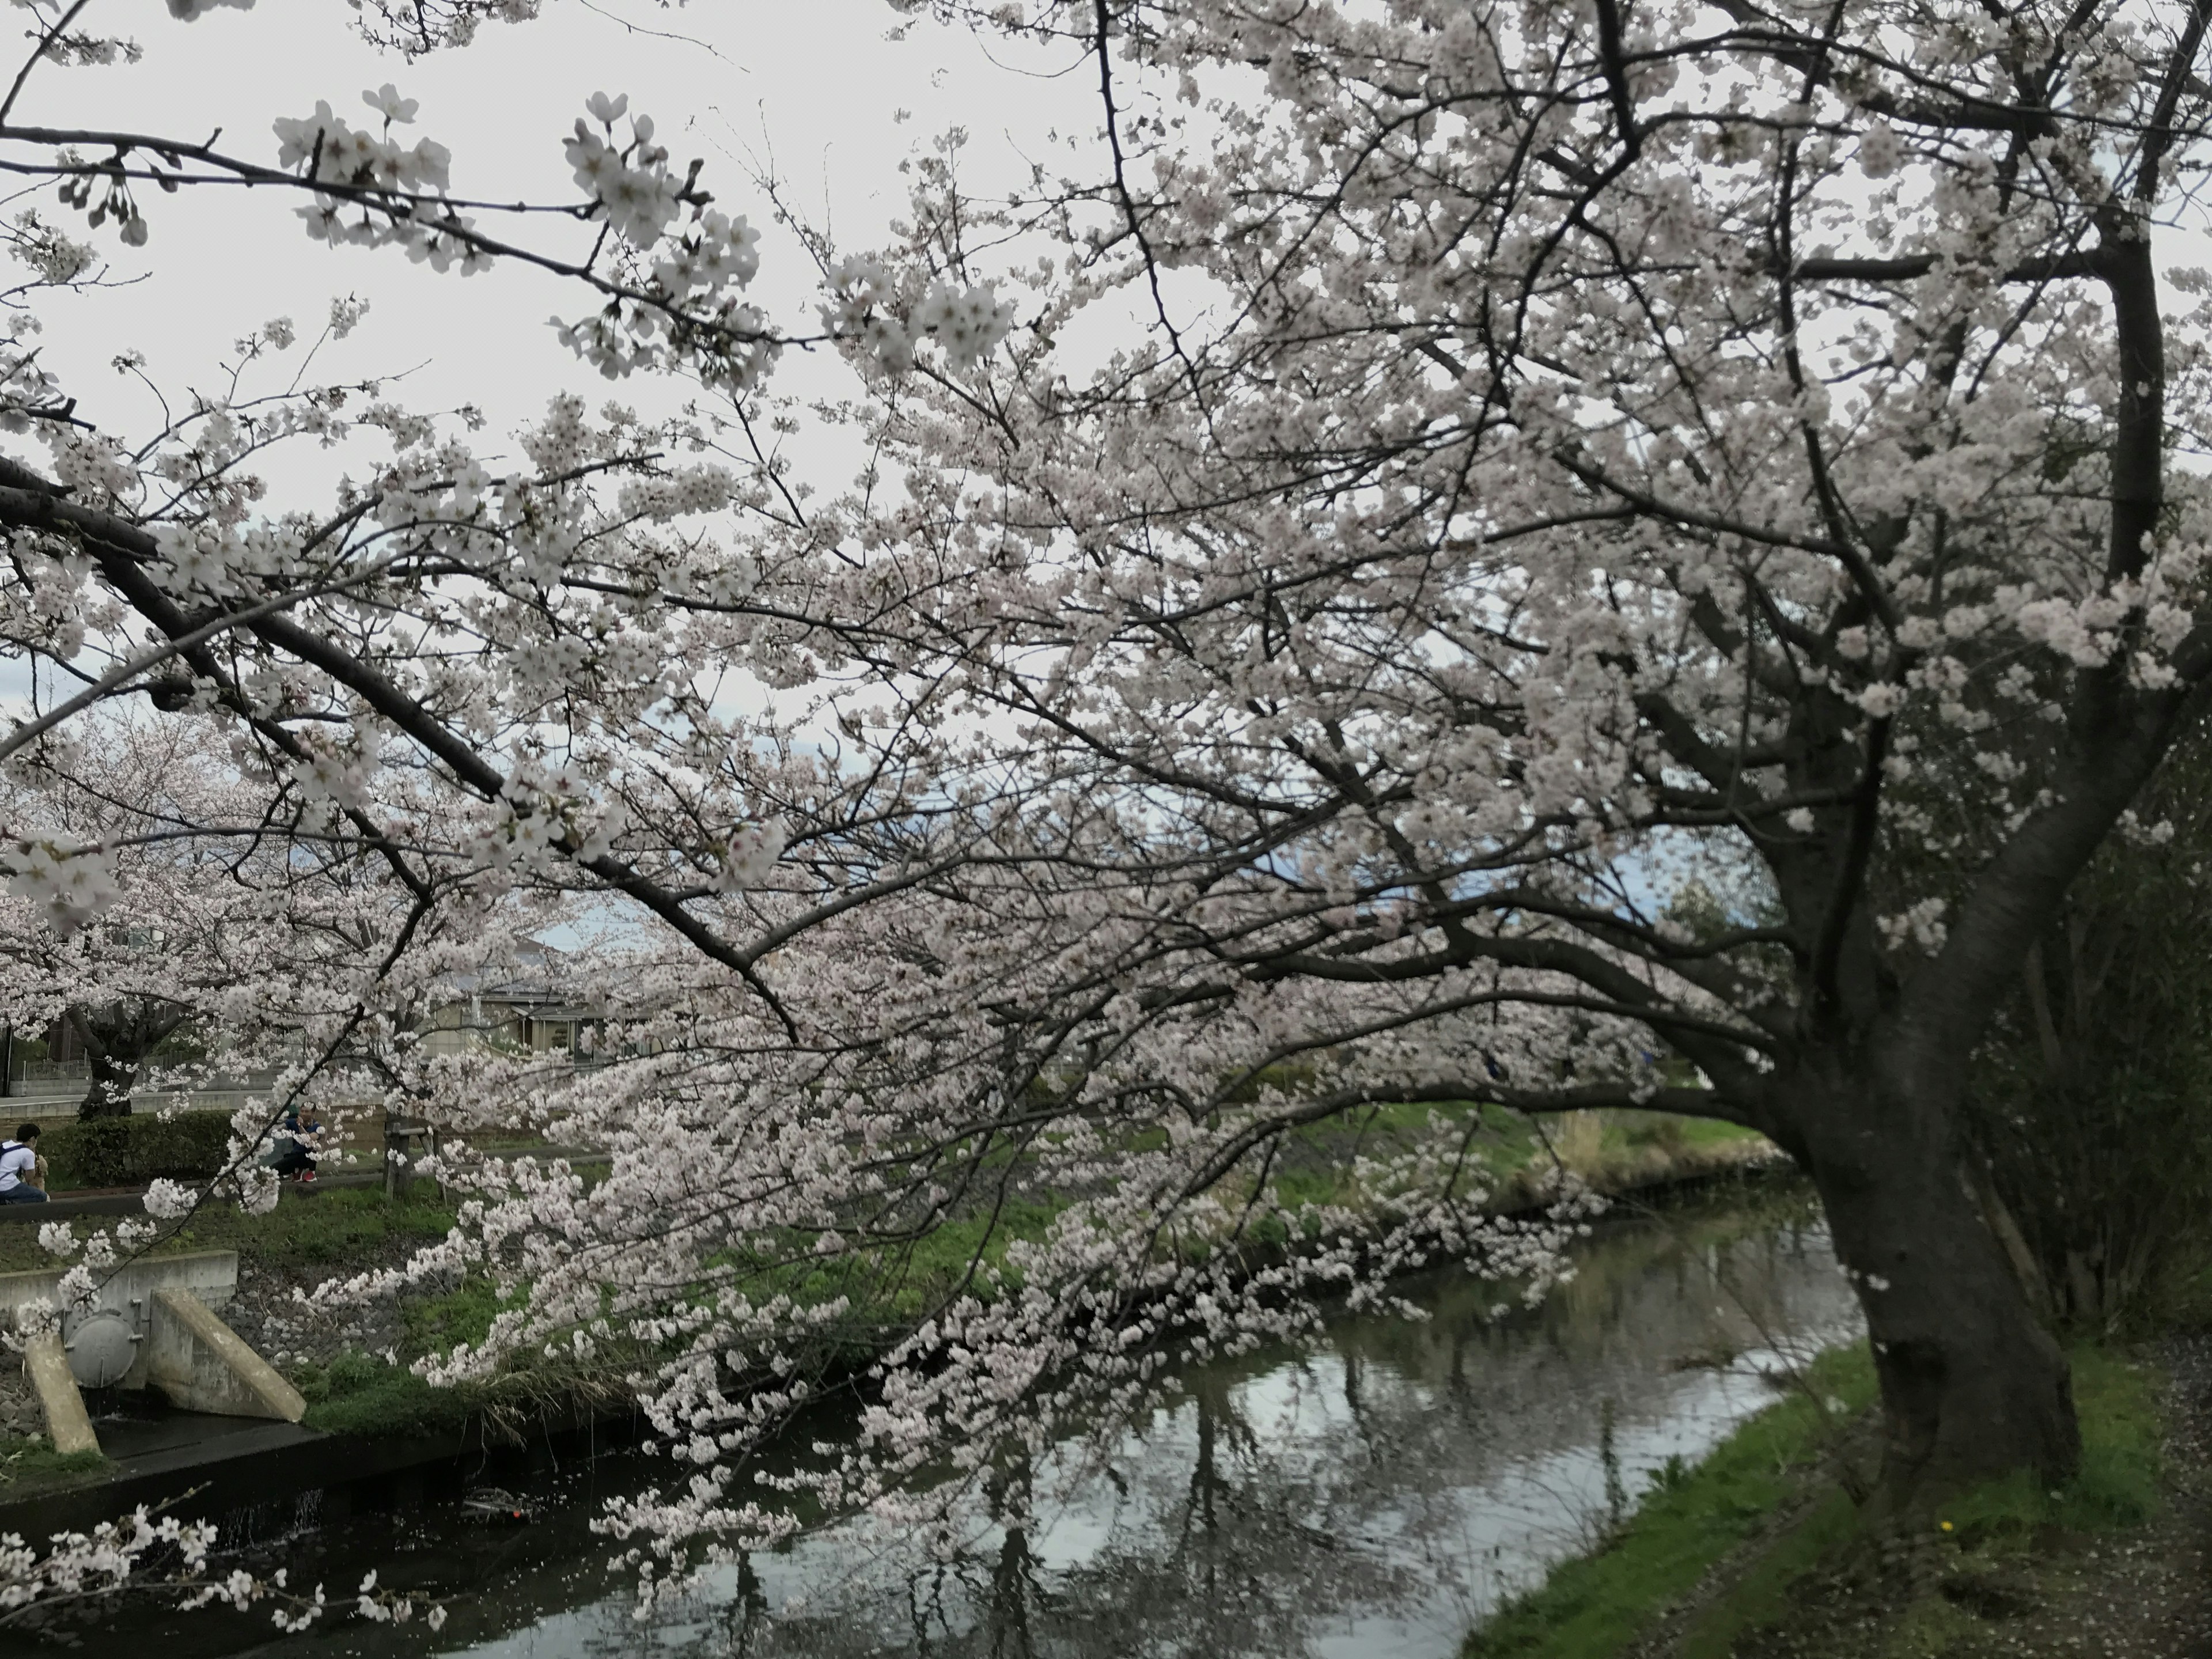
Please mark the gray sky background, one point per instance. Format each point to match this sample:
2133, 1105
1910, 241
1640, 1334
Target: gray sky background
814, 87
813, 90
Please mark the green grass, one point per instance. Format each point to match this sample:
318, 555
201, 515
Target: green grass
355, 1394
1763, 1594
340, 1227
1593, 1607
335, 1228
35, 1467
433, 1324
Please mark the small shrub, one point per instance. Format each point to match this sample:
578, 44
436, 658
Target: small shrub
125, 1151
1666, 1134
1578, 1140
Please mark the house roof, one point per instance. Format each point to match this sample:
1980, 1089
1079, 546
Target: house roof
524, 984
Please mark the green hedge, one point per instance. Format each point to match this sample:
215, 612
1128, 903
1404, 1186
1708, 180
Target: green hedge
124, 1151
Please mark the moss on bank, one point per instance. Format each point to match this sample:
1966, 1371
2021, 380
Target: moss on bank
1770, 1488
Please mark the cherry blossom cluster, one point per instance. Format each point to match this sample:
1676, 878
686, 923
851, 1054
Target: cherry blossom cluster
28, 390
107, 1557
548, 814
749, 855
631, 183
860, 309
148, 1553
397, 189
687, 307
331, 778
72, 884
325, 148
967, 323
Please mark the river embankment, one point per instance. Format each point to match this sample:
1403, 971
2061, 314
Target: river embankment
1761, 1552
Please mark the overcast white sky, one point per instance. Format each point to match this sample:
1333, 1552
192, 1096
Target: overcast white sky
813, 83
815, 89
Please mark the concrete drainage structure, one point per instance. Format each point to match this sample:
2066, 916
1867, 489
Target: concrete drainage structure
67, 1425
153, 1324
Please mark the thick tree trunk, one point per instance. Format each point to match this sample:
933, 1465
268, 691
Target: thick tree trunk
1972, 1386
117, 1040
114, 1081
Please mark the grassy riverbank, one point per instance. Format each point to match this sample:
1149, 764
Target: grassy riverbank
1759, 1551
30, 1466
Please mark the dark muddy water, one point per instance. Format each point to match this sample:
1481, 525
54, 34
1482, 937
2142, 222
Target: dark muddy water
1368, 1497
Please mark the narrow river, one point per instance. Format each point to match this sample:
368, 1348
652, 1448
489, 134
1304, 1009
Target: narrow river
1368, 1497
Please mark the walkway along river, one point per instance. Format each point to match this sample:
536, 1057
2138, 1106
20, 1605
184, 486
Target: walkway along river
1368, 1497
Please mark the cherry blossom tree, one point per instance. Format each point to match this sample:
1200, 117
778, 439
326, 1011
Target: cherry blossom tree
203, 921
1569, 450
126, 983
469, 691
1437, 480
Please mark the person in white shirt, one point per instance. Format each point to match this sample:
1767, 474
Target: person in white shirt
19, 1162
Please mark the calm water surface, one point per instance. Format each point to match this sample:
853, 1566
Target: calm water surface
1368, 1497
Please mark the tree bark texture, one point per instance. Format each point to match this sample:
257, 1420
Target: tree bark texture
1972, 1385
114, 1081
117, 1040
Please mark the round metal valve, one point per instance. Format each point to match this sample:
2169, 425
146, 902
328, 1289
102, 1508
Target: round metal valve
100, 1348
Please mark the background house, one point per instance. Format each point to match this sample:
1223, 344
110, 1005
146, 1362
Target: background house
514, 1011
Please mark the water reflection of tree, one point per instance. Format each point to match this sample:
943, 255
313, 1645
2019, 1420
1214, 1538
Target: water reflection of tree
1013, 1587
1281, 1497
1216, 1558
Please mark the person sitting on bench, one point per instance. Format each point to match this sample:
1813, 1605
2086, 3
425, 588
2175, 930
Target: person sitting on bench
19, 1168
